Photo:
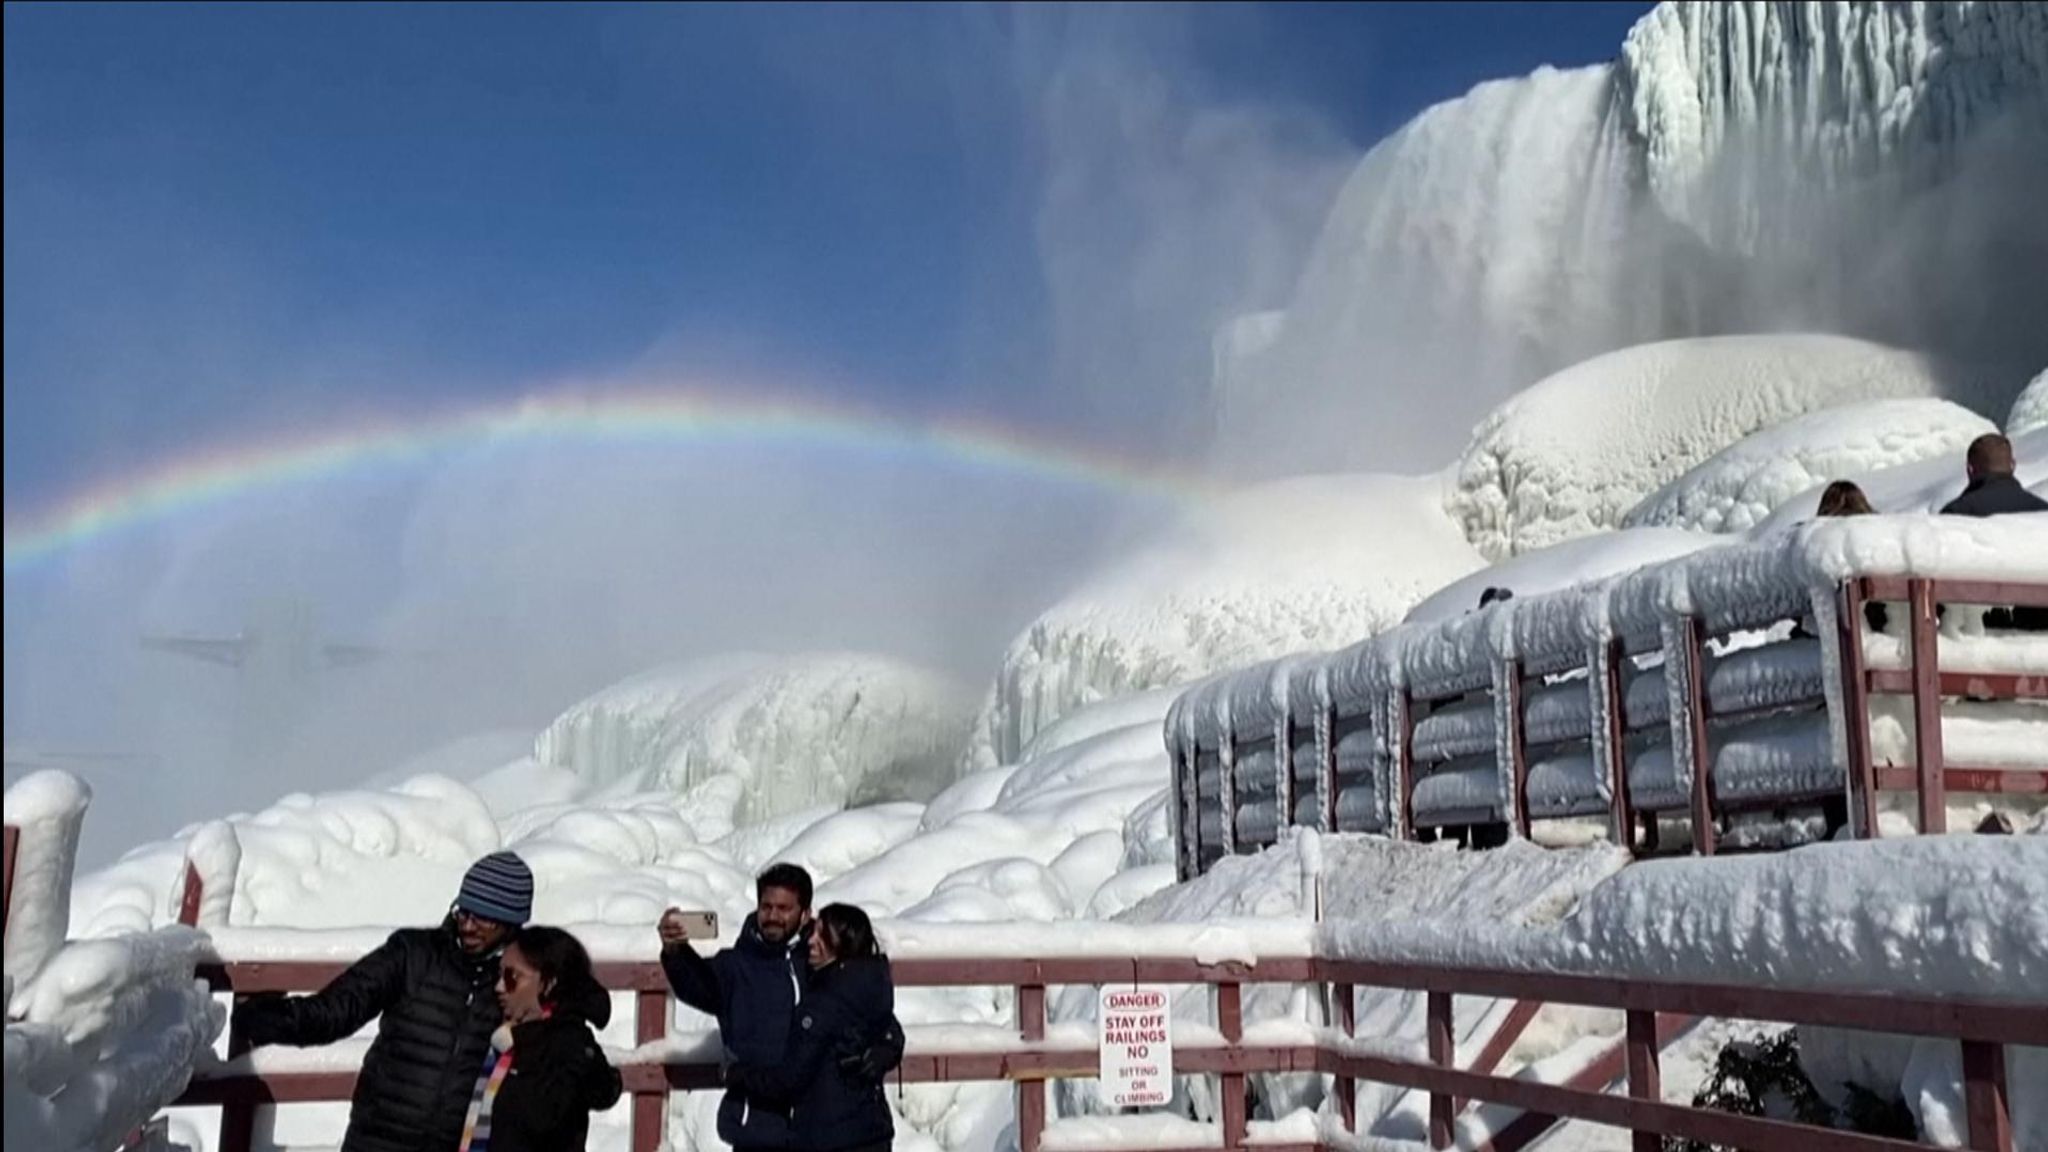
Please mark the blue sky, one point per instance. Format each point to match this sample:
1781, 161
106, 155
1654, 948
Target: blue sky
225, 220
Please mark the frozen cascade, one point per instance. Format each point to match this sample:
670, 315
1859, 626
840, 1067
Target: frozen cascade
1855, 168
792, 732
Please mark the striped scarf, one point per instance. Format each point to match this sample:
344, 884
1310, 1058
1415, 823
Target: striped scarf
476, 1128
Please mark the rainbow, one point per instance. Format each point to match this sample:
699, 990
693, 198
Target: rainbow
207, 478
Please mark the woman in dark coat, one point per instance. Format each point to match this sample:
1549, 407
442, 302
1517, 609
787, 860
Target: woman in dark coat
843, 1041
545, 1074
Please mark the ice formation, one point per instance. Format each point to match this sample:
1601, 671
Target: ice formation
1306, 563
1741, 485
1920, 487
2030, 411
1573, 454
1741, 167
792, 732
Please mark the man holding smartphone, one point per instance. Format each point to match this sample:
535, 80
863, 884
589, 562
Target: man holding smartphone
752, 988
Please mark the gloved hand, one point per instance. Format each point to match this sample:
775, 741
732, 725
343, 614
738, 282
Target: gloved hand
869, 1065
263, 1019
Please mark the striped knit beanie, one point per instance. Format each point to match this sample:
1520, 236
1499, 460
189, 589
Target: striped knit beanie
498, 887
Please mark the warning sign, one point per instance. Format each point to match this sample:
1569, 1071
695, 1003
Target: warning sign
1137, 1046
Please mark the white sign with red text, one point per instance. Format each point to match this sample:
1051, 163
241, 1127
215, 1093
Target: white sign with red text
1137, 1046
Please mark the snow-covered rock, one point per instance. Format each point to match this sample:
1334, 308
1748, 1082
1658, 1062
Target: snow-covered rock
1739, 486
1575, 453
1741, 167
2030, 411
793, 732
1314, 562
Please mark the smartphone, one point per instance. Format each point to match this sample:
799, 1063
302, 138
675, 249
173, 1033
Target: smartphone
699, 925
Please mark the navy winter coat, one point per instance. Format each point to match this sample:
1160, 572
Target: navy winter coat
832, 1103
753, 988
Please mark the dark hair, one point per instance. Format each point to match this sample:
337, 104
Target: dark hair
559, 958
1493, 594
1844, 498
788, 877
1990, 455
849, 931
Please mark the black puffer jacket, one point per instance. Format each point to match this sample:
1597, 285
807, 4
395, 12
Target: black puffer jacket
436, 1007
559, 1077
830, 1102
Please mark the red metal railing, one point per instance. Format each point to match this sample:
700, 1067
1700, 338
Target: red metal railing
1931, 778
1654, 1011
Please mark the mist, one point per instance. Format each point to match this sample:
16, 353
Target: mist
496, 585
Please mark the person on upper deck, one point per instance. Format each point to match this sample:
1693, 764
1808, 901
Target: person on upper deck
1992, 489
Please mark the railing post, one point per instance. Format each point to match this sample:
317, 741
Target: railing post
1031, 1093
1518, 752
188, 899
1611, 688
1927, 709
1328, 747
1404, 767
1862, 782
1187, 810
1985, 1096
1283, 785
1230, 1085
7, 898
1645, 1079
1443, 1054
1346, 1086
1226, 791
1702, 758
650, 1109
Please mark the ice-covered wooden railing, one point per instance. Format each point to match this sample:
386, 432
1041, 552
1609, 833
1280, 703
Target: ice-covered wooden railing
1736, 679
1030, 1054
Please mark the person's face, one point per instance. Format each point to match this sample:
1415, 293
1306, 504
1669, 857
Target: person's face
478, 935
824, 949
519, 987
778, 914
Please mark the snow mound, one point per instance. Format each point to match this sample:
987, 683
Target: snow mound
1314, 562
1573, 562
1364, 882
2030, 411
1738, 487
308, 858
788, 733
1940, 915
1573, 454
1920, 487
